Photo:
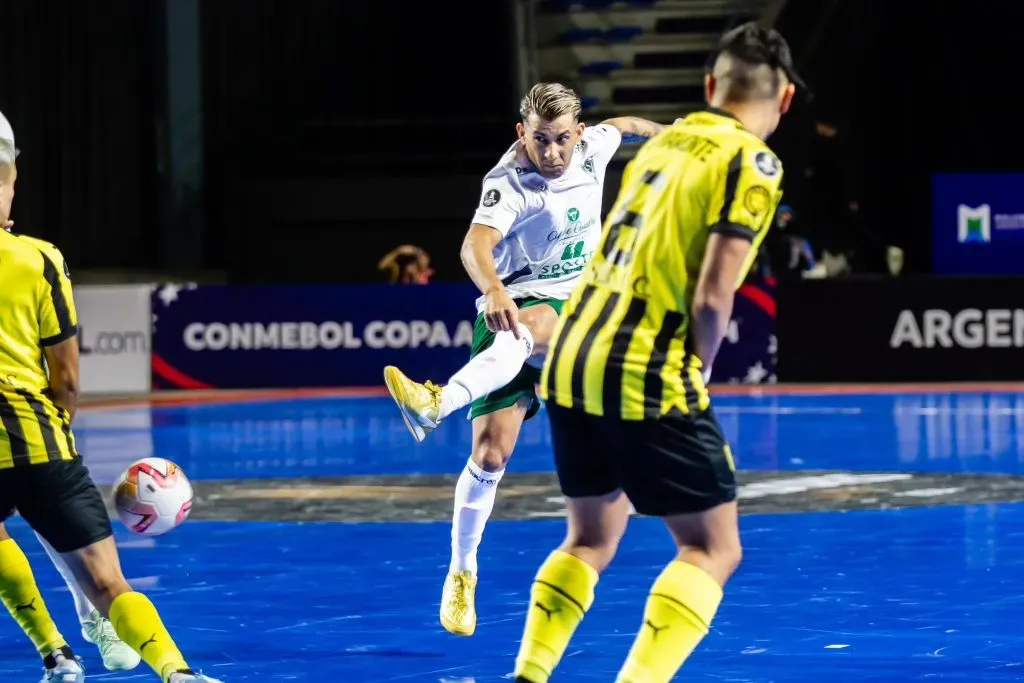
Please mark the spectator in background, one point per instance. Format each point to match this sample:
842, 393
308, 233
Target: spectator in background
825, 188
787, 253
407, 265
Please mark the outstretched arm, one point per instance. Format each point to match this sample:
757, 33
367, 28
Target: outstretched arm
478, 257
633, 128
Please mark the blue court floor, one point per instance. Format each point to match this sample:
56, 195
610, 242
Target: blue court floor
917, 594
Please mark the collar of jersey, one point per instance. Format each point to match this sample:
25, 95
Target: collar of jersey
532, 170
721, 112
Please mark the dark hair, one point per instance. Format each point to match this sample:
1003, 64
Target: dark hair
758, 46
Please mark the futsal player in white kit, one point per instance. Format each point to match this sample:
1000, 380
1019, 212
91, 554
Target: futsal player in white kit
538, 222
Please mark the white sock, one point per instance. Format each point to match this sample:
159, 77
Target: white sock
82, 604
474, 500
495, 367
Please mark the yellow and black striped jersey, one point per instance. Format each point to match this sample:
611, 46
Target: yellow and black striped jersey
620, 347
37, 310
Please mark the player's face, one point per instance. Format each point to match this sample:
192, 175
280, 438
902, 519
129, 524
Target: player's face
549, 144
8, 176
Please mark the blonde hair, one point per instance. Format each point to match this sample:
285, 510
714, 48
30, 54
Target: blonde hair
549, 101
396, 261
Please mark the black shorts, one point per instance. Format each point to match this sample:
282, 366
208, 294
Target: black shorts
676, 464
58, 500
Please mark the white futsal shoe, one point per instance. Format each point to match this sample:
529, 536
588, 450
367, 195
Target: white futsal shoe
65, 670
115, 653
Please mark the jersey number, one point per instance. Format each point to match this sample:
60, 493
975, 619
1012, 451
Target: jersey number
626, 226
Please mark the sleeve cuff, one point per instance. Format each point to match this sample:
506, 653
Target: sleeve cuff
58, 338
734, 230
502, 222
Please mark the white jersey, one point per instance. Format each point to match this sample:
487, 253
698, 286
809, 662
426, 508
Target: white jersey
549, 227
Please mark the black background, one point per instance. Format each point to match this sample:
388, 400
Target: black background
336, 130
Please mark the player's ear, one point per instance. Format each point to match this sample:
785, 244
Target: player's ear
709, 87
580, 127
788, 93
521, 131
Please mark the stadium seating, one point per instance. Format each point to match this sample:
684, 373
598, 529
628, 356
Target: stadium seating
639, 57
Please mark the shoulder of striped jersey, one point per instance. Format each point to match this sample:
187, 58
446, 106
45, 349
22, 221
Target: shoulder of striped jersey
38, 243
49, 250
765, 161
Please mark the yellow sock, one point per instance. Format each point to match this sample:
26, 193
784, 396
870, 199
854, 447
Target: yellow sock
21, 596
562, 593
137, 623
679, 610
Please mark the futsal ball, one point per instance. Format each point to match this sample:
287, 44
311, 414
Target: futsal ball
152, 496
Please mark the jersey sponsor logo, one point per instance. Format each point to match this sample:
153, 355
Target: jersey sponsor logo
491, 197
377, 334
572, 251
971, 328
562, 269
572, 260
575, 228
766, 163
573, 214
588, 165
756, 200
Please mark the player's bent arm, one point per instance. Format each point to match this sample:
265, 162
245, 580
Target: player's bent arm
724, 261
478, 257
634, 127
62, 363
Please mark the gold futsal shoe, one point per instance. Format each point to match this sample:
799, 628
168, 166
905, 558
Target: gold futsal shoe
458, 604
420, 403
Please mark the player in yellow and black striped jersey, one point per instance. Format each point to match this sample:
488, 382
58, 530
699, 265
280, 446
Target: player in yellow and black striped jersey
41, 474
630, 415
39, 309
622, 350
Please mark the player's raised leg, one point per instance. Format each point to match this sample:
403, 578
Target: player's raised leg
424, 405
494, 437
116, 655
496, 361
22, 598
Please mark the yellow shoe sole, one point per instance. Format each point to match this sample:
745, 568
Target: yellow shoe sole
394, 378
457, 630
